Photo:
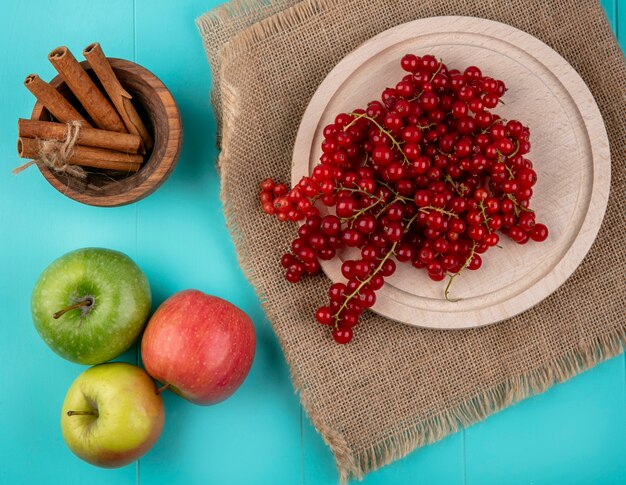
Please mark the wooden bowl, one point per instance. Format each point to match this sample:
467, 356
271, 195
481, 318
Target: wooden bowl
157, 108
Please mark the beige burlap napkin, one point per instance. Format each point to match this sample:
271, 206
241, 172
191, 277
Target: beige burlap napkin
396, 387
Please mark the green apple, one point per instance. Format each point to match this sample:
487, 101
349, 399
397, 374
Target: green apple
91, 304
112, 415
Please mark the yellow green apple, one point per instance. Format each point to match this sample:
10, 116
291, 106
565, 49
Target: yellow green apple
112, 415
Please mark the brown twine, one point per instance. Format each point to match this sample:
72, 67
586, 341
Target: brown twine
55, 154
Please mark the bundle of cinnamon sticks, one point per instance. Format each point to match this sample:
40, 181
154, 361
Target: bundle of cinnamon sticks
110, 134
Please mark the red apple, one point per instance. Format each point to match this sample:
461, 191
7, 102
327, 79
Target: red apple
200, 346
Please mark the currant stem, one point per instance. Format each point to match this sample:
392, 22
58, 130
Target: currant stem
419, 95
357, 117
398, 198
374, 273
517, 146
458, 188
354, 216
394, 142
465, 265
508, 169
392, 190
518, 208
437, 71
426, 209
389, 204
359, 190
482, 211
493, 123
511, 197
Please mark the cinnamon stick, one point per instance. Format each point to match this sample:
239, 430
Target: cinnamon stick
88, 94
120, 98
85, 156
47, 130
54, 101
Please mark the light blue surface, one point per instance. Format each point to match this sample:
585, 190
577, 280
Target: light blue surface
574, 433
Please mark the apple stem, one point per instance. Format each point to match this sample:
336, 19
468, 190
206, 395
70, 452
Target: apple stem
79, 304
161, 389
82, 413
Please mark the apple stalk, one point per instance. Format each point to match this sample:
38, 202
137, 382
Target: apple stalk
86, 302
162, 388
82, 413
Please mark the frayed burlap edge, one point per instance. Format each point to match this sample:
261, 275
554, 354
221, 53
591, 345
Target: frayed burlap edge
281, 22
221, 23
356, 463
344, 456
230, 12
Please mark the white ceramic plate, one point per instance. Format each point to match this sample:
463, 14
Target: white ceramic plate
570, 152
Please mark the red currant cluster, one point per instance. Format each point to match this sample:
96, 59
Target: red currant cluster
425, 176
